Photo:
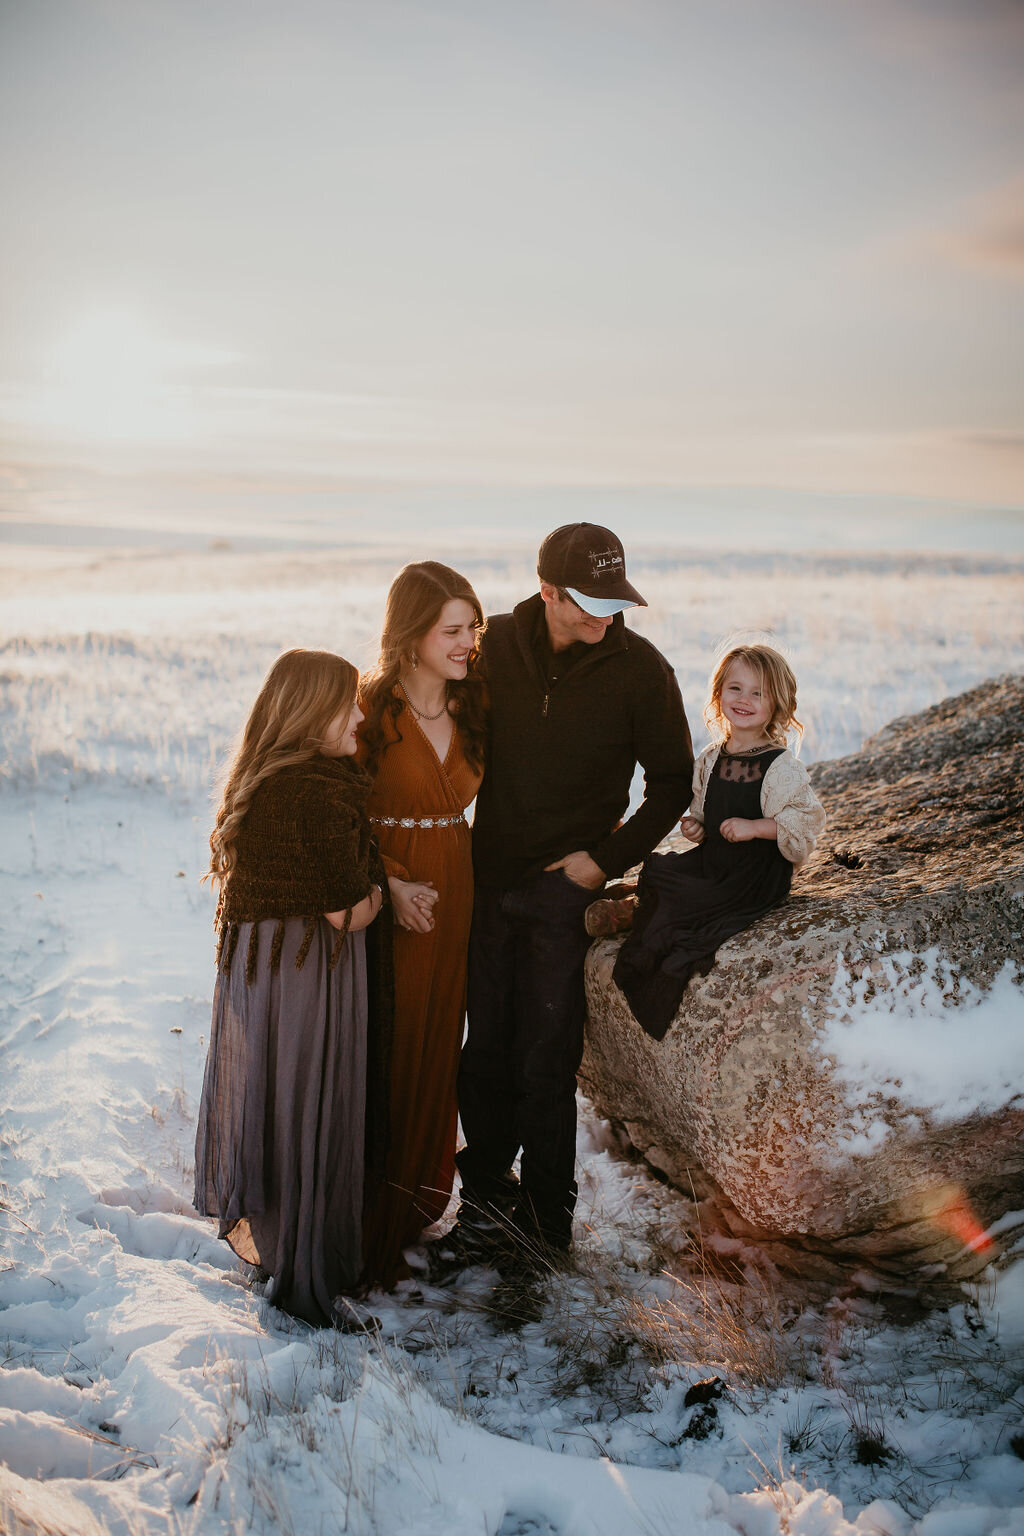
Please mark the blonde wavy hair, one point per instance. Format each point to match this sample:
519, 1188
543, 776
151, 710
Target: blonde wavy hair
777, 682
301, 694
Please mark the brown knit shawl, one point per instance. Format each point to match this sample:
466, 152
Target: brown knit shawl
304, 848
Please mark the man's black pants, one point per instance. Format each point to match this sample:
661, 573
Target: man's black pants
517, 1077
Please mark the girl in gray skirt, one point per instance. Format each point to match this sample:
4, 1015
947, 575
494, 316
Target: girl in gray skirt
292, 1121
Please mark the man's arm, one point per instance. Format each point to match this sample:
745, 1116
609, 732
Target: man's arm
663, 749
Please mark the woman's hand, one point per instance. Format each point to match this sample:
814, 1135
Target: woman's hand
414, 902
692, 829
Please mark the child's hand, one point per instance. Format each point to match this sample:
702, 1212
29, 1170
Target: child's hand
413, 901
692, 829
736, 829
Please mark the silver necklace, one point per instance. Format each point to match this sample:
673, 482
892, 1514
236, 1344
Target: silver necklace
421, 714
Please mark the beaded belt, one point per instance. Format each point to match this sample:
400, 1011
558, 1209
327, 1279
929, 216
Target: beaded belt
421, 821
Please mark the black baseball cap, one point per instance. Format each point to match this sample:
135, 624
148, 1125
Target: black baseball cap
588, 561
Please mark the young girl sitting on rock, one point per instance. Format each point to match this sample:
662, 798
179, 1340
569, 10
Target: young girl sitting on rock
754, 816
293, 1113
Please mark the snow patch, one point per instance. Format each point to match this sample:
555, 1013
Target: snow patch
910, 1028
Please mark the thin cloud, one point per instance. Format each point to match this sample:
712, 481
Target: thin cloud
985, 236
947, 27
993, 236
998, 238
1001, 442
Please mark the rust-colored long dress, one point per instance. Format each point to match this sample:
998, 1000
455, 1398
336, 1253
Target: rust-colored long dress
412, 784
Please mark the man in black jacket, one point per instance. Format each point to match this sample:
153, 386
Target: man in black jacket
577, 700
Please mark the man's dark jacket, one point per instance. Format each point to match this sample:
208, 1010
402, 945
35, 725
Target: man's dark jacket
561, 754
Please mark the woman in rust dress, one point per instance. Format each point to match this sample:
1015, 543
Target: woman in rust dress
422, 741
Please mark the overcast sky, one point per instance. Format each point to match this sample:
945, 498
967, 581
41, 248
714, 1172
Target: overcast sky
732, 243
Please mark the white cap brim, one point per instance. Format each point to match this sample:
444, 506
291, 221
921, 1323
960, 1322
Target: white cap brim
600, 607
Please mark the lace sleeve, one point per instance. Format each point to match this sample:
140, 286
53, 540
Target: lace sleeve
701, 775
787, 798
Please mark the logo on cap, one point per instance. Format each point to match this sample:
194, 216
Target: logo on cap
606, 562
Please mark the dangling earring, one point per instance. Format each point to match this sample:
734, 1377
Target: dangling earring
415, 661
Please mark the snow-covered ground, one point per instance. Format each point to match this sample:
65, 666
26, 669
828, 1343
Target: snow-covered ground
146, 1387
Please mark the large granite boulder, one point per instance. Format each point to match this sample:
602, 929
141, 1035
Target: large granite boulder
850, 1074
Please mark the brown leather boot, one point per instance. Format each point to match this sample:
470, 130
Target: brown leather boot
604, 918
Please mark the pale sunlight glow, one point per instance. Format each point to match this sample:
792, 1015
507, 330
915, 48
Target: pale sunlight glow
114, 377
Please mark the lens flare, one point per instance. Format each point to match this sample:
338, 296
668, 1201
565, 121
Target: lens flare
949, 1209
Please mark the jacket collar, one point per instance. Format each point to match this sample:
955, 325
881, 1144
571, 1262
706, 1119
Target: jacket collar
528, 616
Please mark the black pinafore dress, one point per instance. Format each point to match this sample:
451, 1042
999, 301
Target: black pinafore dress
690, 903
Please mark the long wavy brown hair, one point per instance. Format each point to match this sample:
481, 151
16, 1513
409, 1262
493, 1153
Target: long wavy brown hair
415, 600
777, 682
301, 694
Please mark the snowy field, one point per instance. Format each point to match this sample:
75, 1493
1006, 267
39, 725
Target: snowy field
146, 1387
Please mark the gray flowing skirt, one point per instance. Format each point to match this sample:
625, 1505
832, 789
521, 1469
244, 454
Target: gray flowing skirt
279, 1148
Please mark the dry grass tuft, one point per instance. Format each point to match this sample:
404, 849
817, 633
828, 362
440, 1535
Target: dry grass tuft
722, 1314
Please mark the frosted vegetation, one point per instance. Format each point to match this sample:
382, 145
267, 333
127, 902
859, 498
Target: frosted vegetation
137, 669
146, 1387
